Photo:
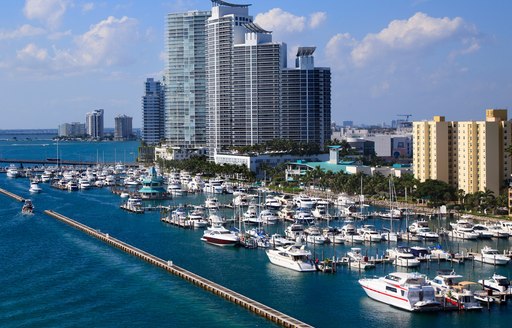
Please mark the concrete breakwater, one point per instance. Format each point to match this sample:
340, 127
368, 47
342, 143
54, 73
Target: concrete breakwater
228, 294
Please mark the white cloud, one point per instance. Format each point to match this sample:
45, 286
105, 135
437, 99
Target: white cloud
278, 20
417, 32
88, 6
59, 35
105, 43
32, 53
111, 42
25, 30
48, 11
316, 19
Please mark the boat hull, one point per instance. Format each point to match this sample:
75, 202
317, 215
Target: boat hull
298, 266
396, 301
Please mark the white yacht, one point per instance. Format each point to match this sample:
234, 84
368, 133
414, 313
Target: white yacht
303, 201
451, 286
320, 211
272, 203
295, 232
463, 229
134, 205
403, 257
34, 188
408, 291
304, 217
268, 217
314, 235
369, 233
12, 171
491, 256
198, 219
426, 233
211, 203
251, 215
483, 231
350, 234
278, 240
220, 236
497, 231
292, 257
496, 282
356, 260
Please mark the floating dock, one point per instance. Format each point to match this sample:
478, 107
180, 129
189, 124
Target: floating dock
228, 294
10, 194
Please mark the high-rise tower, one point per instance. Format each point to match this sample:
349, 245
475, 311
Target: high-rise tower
153, 112
306, 100
185, 79
94, 123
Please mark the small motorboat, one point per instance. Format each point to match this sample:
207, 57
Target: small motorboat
28, 207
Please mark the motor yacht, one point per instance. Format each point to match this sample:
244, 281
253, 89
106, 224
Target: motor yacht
491, 256
278, 240
350, 234
292, 257
497, 282
220, 236
356, 260
295, 232
403, 257
13, 172
426, 233
463, 229
268, 217
369, 233
451, 286
314, 235
211, 203
35, 188
320, 211
272, 203
408, 291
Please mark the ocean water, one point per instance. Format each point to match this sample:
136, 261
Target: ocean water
52, 275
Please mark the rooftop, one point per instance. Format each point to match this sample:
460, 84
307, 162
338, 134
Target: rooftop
227, 4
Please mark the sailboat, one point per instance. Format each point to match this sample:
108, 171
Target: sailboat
390, 235
361, 215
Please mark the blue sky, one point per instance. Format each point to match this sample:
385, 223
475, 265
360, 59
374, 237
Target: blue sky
62, 58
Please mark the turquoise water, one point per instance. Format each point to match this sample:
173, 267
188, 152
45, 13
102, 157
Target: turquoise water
55, 276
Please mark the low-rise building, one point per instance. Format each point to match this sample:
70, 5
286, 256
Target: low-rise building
169, 153
296, 169
258, 162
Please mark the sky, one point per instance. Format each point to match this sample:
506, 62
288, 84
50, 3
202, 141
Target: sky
60, 59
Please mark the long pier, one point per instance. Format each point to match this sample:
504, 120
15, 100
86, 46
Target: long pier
228, 294
10, 194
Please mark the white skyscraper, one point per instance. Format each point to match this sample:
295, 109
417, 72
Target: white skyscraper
224, 29
94, 123
185, 79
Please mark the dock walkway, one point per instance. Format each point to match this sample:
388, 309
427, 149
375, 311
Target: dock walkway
228, 294
10, 194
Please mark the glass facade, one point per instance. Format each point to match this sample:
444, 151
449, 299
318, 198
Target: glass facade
185, 79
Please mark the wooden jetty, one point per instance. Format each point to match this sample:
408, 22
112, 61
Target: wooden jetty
12, 195
228, 294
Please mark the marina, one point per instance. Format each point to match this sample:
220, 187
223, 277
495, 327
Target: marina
236, 268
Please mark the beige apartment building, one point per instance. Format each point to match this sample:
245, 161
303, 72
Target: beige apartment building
468, 155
